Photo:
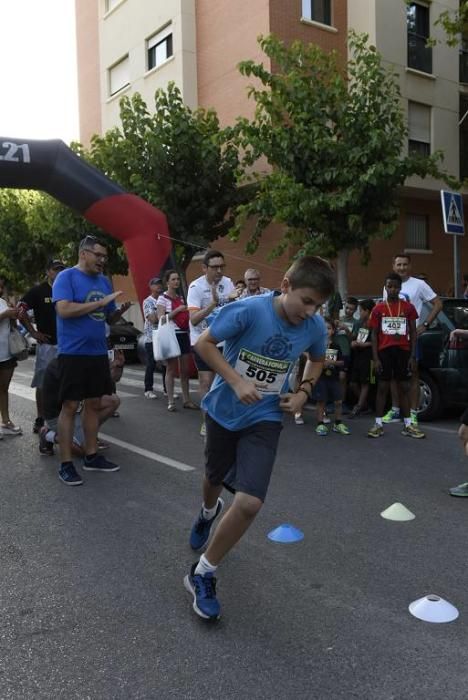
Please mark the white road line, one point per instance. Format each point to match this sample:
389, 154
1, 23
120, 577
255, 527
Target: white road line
150, 455
452, 431
26, 392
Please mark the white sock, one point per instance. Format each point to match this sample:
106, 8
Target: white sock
396, 409
209, 513
204, 566
50, 436
407, 422
379, 422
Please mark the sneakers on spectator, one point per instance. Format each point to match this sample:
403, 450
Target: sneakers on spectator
414, 417
201, 528
413, 431
45, 447
203, 590
392, 416
69, 475
38, 423
99, 464
321, 429
376, 431
341, 428
461, 490
298, 419
150, 395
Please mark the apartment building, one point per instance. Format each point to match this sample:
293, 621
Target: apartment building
139, 45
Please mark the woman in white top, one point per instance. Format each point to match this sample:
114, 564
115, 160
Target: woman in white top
171, 306
7, 363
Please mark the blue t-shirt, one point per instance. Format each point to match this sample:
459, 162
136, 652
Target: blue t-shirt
82, 335
262, 348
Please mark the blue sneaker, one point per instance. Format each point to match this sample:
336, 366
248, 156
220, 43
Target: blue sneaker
69, 475
201, 528
99, 464
203, 590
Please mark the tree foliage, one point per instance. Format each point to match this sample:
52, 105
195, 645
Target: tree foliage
335, 146
455, 24
177, 159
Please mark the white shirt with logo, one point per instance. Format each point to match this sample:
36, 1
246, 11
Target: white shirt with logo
200, 296
417, 292
4, 333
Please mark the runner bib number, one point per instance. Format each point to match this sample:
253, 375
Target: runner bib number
362, 335
393, 325
331, 355
267, 374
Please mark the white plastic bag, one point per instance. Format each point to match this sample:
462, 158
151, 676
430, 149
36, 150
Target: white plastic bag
165, 343
18, 346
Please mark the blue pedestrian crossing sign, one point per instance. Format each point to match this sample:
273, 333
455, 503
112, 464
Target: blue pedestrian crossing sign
452, 212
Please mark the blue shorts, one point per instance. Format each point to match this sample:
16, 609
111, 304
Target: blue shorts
328, 390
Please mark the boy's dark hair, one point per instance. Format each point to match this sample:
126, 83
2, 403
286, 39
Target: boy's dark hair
239, 282
211, 254
167, 274
402, 255
352, 300
312, 271
330, 321
367, 304
394, 276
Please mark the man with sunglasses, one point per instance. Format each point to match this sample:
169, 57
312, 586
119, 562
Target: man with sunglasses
205, 294
84, 302
252, 284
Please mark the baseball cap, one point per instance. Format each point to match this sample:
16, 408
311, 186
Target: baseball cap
55, 264
155, 280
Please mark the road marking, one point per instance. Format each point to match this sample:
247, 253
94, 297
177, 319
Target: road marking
147, 453
439, 430
26, 392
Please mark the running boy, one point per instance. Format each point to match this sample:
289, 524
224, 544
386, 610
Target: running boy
393, 324
263, 335
362, 357
329, 387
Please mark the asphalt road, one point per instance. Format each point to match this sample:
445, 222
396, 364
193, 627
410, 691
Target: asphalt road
92, 603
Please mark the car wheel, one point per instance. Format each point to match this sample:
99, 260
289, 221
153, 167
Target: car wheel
430, 402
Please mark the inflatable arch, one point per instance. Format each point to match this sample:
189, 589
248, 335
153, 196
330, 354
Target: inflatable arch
54, 168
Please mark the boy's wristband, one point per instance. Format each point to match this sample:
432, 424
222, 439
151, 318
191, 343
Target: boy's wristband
305, 392
308, 381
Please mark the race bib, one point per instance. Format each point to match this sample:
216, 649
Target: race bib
393, 325
267, 374
331, 355
363, 335
349, 325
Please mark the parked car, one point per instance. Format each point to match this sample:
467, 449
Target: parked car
124, 336
443, 364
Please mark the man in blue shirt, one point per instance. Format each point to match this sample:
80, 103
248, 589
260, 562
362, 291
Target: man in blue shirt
84, 301
264, 336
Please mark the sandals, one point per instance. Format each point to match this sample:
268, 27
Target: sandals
171, 407
191, 405
10, 429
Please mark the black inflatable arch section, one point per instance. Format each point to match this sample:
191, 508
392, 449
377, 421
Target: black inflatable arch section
53, 167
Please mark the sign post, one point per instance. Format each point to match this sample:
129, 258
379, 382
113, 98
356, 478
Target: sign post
452, 214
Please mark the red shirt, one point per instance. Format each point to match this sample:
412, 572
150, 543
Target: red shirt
392, 318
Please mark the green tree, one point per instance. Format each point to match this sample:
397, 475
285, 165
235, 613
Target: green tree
334, 141
455, 24
178, 160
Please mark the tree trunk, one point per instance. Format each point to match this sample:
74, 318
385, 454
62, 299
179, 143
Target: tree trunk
342, 273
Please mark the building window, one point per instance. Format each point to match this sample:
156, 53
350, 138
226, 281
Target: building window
418, 24
317, 11
463, 136
159, 47
464, 60
419, 129
119, 76
417, 232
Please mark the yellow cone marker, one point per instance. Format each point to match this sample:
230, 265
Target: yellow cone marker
397, 512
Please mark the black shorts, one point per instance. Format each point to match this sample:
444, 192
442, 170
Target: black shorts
11, 363
200, 363
184, 342
241, 459
83, 377
394, 364
360, 372
328, 389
